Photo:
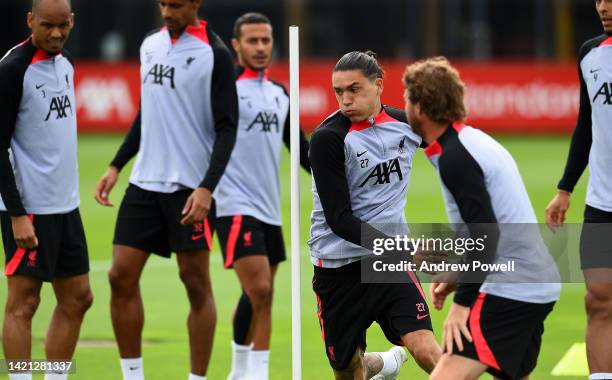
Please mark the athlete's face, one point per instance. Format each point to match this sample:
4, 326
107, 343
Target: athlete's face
51, 23
357, 95
254, 46
604, 8
177, 14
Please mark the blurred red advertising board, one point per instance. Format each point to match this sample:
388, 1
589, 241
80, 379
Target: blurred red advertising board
501, 97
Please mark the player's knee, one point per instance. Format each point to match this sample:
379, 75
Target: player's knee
598, 302
198, 289
121, 282
260, 294
78, 303
426, 355
23, 308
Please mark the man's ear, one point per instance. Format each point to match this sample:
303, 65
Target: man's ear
380, 84
235, 44
30, 20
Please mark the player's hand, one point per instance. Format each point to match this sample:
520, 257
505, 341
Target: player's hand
105, 186
197, 206
23, 232
438, 291
455, 325
555, 212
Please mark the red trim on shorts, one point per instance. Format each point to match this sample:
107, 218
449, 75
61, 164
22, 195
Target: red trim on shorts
320, 315
13, 264
230, 249
485, 355
417, 283
208, 234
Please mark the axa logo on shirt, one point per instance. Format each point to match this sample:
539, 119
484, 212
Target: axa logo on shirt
605, 91
266, 120
161, 74
59, 106
382, 173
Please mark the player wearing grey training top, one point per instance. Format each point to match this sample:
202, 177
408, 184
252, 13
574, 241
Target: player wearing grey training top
182, 137
590, 146
361, 159
42, 230
248, 196
496, 320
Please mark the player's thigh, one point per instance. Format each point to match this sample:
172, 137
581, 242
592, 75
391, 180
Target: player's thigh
73, 292
454, 367
254, 274
127, 265
23, 291
599, 288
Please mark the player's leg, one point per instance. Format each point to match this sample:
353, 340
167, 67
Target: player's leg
71, 286
202, 319
74, 298
455, 367
599, 324
424, 349
355, 370
21, 304
127, 311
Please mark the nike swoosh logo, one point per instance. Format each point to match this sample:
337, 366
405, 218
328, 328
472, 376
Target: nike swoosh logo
244, 97
39, 86
134, 368
361, 154
197, 237
419, 316
594, 71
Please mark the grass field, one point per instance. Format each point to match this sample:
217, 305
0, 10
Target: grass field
540, 159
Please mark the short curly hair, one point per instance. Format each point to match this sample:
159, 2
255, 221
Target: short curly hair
434, 84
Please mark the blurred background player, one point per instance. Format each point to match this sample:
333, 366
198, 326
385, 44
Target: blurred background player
42, 230
361, 160
183, 135
590, 146
248, 196
483, 191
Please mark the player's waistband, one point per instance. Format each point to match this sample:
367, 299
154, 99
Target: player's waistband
350, 270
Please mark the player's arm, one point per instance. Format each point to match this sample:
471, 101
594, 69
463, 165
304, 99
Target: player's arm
11, 89
578, 157
304, 146
225, 115
327, 160
127, 150
464, 178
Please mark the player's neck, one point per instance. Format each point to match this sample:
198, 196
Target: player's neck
432, 131
177, 34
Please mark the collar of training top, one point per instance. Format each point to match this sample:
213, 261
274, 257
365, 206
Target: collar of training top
435, 148
248, 73
198, 32
381, 118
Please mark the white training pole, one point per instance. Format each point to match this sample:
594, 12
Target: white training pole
296, 299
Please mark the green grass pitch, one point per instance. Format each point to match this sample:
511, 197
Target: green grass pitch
165, 351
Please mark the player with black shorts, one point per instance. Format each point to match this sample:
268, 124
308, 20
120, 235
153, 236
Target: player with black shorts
590, 146
182, 137
248, 196
41, 226
496, 321
361, 159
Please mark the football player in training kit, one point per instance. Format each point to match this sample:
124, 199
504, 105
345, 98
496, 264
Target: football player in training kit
248, 196
361, 159
42, 230
496, 321
591, 146
183, 137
